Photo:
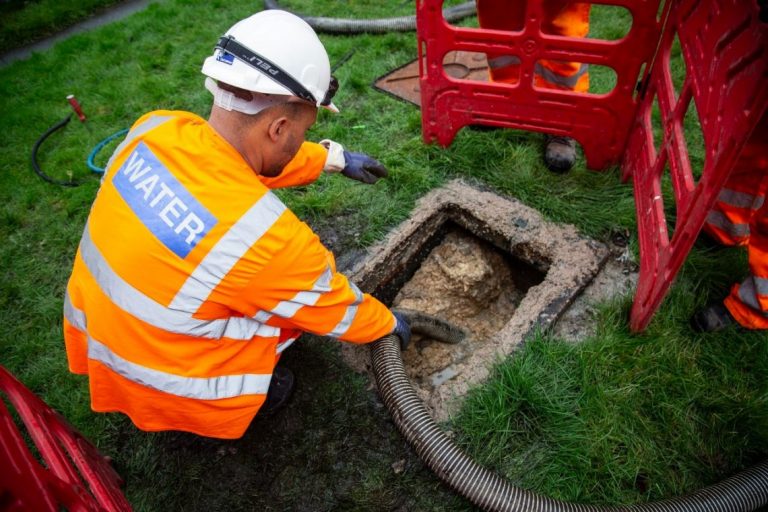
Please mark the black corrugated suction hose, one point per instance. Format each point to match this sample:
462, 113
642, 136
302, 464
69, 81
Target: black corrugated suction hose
374, 26
743, 492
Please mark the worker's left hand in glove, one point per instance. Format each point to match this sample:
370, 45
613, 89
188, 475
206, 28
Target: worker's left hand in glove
402, 330
357, 166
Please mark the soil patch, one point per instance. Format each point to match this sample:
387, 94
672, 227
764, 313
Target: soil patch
468, 282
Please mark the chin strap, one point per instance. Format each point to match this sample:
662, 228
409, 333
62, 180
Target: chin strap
228, 101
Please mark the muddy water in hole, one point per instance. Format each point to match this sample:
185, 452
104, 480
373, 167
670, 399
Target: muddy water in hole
468, 282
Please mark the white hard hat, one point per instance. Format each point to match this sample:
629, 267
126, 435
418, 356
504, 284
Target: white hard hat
274, 52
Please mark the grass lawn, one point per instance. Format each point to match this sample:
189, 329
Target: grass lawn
621, 418
25, 22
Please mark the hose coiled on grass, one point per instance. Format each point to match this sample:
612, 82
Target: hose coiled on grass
39, 142
374, 26
743, 492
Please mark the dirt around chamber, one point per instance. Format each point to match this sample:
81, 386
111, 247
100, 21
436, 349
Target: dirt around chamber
484, 262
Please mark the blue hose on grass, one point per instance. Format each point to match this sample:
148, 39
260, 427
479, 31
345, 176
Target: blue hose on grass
91, 165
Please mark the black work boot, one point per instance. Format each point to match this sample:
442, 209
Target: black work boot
559, 153
712, 318
280, 388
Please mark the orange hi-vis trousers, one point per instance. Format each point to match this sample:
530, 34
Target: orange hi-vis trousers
740, 218
561, 18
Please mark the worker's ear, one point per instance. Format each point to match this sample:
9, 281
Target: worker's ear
278, 128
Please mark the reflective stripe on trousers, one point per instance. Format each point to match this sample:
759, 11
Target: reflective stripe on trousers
499, 63
733, 212
721, 221
740, 199
750, 290
567, 82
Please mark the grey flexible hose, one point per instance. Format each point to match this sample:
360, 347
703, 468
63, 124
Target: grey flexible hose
743, 492
374, 26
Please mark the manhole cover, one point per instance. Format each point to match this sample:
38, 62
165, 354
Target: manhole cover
403, 82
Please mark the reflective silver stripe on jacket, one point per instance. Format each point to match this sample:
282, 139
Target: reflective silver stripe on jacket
149, 124
719, 220
202, 388
555, 78
349, 314
284, 345
132, 301
288, 308
76, 317
740, 199
761, 283
227, 252
503, 61
749, 290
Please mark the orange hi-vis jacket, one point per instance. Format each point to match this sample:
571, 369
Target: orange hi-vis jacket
561, 18
192, 277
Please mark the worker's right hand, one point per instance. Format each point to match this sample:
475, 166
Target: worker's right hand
362, 167
357, 166
402, 330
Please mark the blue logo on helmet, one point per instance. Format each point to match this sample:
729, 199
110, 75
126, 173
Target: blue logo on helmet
226, 58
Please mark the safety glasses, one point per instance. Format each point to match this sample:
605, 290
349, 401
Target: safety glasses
265, 66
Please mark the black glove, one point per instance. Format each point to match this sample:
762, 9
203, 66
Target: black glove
402, 330
361, 167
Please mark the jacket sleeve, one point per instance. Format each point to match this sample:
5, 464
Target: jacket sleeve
305, 167
299, 288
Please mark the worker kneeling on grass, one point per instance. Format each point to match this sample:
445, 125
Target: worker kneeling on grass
192, 277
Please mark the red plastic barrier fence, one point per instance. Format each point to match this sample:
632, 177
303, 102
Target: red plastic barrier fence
73, 475
725, 48
600, 123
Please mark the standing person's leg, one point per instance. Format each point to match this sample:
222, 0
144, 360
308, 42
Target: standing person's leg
742, 195
571, 20
502, 15
561, 18
740, 217
748, 301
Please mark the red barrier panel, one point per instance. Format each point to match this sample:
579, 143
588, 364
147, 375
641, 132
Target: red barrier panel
600, 123
74, 477
725, 48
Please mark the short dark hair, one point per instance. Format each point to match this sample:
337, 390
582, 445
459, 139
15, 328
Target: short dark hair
293, 108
